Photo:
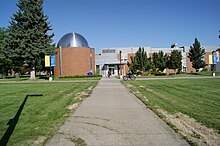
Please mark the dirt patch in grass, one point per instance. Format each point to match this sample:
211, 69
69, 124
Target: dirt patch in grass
40, 140
79, 96
129, 86
73, 106
83, 94
193, 131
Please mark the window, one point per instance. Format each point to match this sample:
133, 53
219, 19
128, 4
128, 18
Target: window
108, 51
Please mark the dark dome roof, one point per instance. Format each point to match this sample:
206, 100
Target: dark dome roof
73, 40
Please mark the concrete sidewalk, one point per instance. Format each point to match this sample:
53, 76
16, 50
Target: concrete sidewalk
113, 116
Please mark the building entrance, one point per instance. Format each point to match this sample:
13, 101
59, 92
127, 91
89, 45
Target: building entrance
112, 70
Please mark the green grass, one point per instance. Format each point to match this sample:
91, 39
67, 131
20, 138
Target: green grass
198, 98
205, 73
13, 79
41, 116
43, 78
195, 74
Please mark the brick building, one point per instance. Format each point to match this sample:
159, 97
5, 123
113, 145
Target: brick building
74, 56
109, 59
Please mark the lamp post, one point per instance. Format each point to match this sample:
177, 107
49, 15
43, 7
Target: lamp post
120, 64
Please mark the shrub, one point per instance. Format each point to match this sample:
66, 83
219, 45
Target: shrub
204, 69
81, 76
146, 73
160, 74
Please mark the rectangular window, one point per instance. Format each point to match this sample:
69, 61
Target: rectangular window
108, 51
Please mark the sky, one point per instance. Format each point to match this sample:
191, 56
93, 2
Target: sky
130, 23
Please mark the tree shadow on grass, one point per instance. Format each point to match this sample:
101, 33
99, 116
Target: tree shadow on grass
12, 122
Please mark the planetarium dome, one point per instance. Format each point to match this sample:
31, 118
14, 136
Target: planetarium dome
73, 40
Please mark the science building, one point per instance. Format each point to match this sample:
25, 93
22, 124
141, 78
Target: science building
116, 60
74, 56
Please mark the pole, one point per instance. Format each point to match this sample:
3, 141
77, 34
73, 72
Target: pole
214, 60
91, 59
51, 73
60, 61
120, 64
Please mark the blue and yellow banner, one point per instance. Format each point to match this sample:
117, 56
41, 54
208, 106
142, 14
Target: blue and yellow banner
50, 61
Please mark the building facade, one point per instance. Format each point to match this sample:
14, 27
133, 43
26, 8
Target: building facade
74, 56
115, 60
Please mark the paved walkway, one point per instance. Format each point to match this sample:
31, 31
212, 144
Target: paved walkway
113, 116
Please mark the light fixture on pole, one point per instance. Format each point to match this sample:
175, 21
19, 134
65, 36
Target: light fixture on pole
120, 64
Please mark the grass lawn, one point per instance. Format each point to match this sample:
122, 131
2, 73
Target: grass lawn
195, 74
43, 78
197, 98
42, 115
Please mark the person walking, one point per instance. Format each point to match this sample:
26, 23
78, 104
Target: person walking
109, 73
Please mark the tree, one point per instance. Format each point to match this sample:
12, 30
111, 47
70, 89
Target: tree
175, 60
2, 36
140, 61
196, 55
5, 63
159, 60
28, 37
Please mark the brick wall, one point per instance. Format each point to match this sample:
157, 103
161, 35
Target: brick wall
189, 64
75, 61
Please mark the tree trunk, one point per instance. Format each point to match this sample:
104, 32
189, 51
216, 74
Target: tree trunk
32, 77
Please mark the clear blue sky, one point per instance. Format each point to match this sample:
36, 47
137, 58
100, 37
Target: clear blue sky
130, 23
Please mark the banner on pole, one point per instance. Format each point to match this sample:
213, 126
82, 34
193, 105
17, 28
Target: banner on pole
210, 59
215, 58
47, 61
52, 60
